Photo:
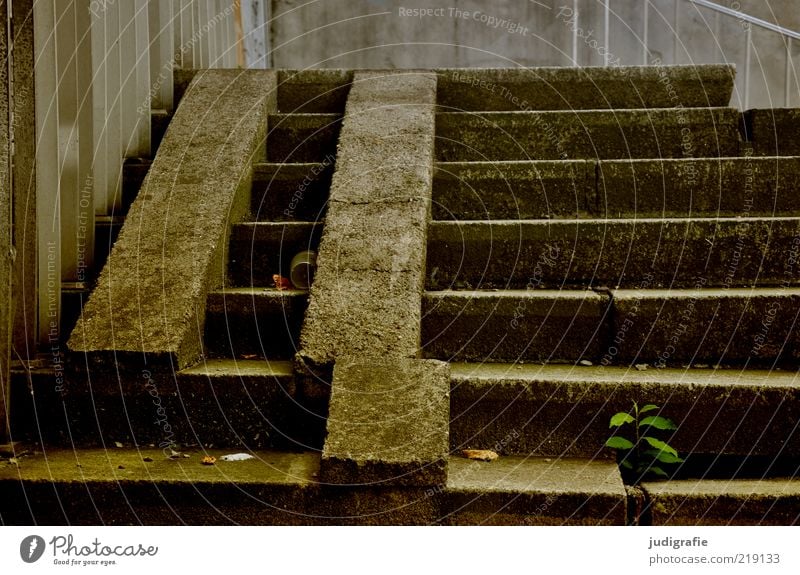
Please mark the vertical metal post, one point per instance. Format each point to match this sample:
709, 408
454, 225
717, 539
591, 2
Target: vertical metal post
607, 30
787, 84
749, 39
575, 15
47, 172
646, 33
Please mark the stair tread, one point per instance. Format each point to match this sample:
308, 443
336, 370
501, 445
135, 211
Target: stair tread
612, 221
510, 374
240, 367
258, 292
734, 292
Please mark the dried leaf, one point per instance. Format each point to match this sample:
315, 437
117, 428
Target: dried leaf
480, 454
281, 283
118, 444
249, 356
147, 459
641, 366
208, 460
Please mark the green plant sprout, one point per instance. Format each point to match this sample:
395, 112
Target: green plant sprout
643, 455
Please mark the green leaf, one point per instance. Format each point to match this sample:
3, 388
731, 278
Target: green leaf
626, 464
660, 445
658, 471
648, 407
663, 456
618, 442
658, 422
621, 418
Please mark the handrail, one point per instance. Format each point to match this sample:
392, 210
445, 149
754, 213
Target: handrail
747, 18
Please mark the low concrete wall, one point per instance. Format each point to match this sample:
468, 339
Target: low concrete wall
149, 304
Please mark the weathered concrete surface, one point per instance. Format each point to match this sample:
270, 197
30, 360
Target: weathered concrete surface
513, 190
721, 502
665, 187
774, 132
563, 411
258, 250
25, 241
313, 91
150, 298
509, 89
589, 134
121, 486
365, 298
6, 239
709, 326
619, 252
261, 321
534, 491
514, 325
302, 137
388, 423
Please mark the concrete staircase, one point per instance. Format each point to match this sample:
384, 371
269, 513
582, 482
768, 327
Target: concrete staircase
579, 261
506, 259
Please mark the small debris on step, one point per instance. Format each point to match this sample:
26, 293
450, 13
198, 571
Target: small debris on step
118, 444
641, 366
585, 362
208, 460
120, 467
147, 459
480, 454
236, 457
701, 366
281, 283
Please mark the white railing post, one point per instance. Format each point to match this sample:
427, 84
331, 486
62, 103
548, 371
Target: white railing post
84, 195
161, 56
47, 173
135, 71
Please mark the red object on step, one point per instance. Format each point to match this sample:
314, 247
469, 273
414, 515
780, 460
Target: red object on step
281, 282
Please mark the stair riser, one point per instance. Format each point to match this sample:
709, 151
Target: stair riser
740, 187
257, 252
291, 193
663, 331
583, 88
613, 253
514, 329
551, 418
243, 413
469, 191
241, 327
302, 138
313, 91
589, 135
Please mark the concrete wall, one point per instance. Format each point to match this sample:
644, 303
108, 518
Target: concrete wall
382, 34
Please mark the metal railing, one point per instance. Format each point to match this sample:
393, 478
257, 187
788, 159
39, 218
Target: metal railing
101, 67
721, 40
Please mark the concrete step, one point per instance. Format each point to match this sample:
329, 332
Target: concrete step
258, 322
674, 327
291, 192
258, 250
773, 131
590, 134
628, 252
241, 404
302, 138
313, 91
741, 187
140, 486
249, 403
513, 190
564, 411
722, 502
585, 88
514, 325
738, 326
534, 491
